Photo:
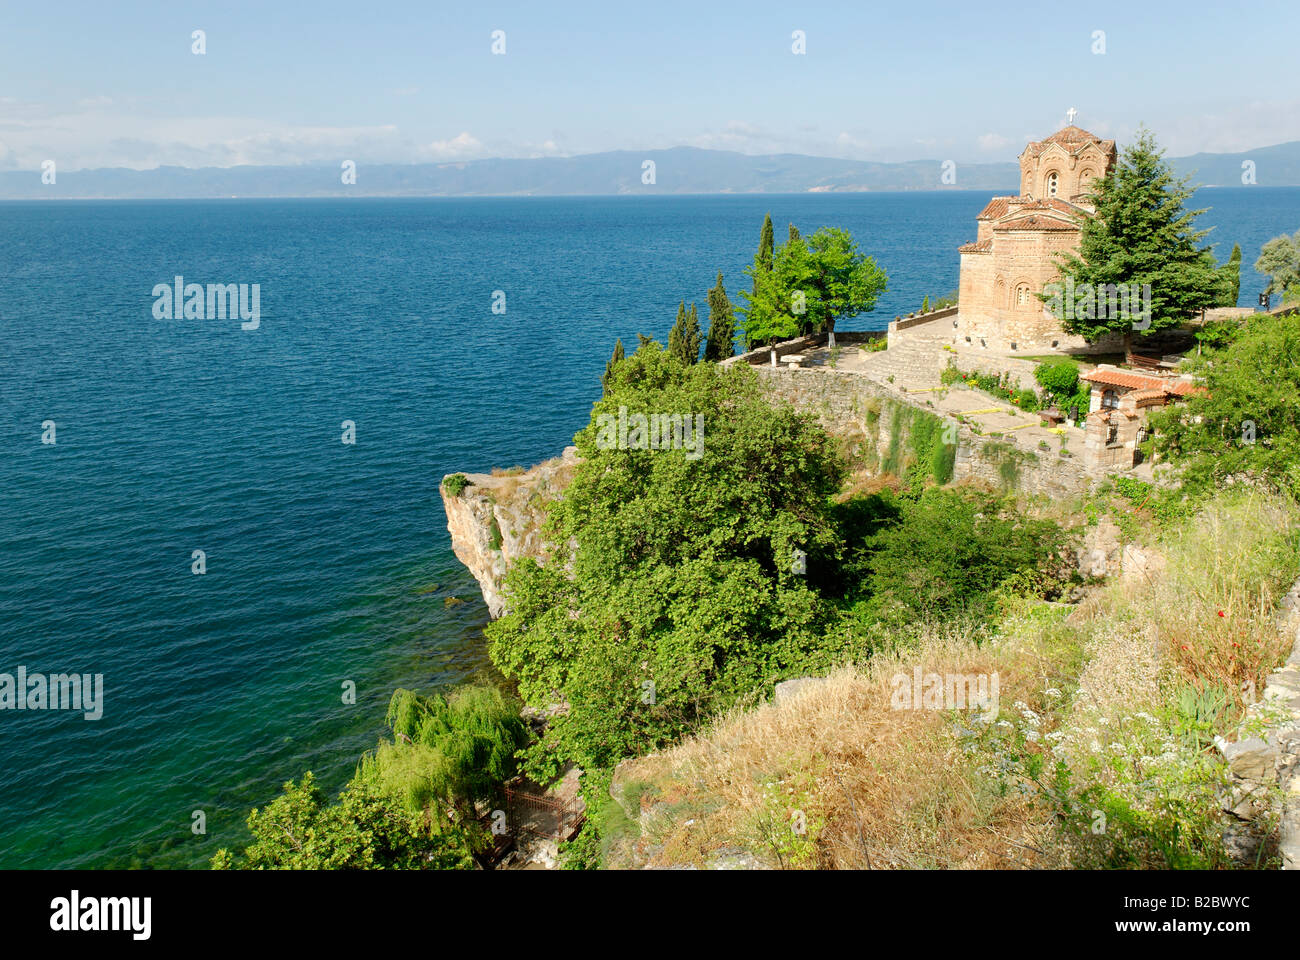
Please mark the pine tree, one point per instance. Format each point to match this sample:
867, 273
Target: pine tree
722, 324
1140, 236
611, 363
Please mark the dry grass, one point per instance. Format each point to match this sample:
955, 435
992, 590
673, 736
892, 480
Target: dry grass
879, 787
1212, 613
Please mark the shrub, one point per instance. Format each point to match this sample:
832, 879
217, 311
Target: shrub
456, 484
1058, 378
1026, 400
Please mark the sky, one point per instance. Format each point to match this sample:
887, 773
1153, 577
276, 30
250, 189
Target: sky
117, 84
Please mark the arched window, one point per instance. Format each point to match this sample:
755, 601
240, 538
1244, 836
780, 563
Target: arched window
1052, 181
1085, 180
1022, 295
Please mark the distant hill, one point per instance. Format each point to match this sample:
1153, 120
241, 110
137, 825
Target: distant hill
680, 170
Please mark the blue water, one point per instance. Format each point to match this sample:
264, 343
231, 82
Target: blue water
326, 563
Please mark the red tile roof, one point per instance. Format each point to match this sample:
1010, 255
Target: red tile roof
1138, 381
978, 246
1034, 223
1073, 139
997, 207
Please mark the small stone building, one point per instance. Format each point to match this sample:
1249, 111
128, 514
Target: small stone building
1013, 256
1117, 414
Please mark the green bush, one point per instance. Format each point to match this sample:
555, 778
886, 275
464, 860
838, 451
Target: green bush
455, 484
942, 554
1026, 400
1058, 378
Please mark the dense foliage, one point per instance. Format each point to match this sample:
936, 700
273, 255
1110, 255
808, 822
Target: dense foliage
941, 555
411, 804
363, 830
1280, 259
1247, 423
680, 595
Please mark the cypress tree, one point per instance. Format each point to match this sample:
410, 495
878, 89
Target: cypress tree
766, 243
1232, 278
722, 324
794, 233
693, 338
611, 363
684, 338
676, 342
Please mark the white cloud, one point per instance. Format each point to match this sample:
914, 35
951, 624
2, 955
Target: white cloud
993, 142
463, 146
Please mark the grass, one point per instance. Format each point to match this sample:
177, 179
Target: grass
1108, 710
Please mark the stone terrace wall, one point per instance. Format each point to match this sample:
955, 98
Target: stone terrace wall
762, 355
1271, 760
843, 403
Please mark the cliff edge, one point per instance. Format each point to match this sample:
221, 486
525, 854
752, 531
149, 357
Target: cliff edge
498, 517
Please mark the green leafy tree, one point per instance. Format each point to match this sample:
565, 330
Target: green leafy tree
611, 364
811, 284
1280, 260
1058, 378
1140, 235
722, 324
672, 591
1247, 423
363, 830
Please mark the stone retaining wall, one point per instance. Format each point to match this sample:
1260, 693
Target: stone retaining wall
850, 405
1269, 761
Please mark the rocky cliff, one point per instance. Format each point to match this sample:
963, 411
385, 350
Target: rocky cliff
498, 517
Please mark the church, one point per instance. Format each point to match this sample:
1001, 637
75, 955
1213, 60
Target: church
1013, 256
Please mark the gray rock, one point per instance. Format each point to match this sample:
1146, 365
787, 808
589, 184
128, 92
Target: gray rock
790, 688
1253, 759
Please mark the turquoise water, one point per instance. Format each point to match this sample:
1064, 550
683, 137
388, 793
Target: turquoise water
326, 562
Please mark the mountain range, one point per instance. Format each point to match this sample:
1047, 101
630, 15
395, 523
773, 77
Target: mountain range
679, 170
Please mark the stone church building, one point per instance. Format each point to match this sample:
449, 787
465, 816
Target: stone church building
1013, 255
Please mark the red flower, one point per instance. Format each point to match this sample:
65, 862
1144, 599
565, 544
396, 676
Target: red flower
1220, 613
1184, 647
